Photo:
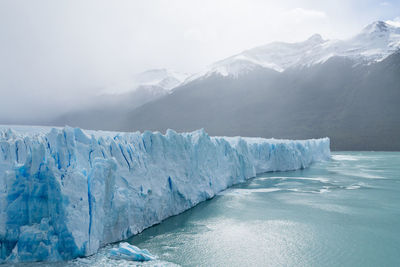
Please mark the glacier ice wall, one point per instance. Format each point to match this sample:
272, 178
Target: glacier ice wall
66, 192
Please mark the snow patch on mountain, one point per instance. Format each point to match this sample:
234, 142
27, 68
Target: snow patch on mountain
151, 80
167, 79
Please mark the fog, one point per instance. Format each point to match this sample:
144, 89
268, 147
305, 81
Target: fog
55, 55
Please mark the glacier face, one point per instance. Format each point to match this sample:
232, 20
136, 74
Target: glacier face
66, 192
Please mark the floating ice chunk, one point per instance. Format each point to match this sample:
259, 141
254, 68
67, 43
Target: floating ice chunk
127, 251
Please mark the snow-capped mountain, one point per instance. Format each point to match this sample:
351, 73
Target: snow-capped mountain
348, 90
105, 110
153, 81
374, 43
164, 78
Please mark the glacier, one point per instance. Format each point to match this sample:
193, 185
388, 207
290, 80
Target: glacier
66, 192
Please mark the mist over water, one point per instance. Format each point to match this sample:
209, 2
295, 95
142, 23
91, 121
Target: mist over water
338, 213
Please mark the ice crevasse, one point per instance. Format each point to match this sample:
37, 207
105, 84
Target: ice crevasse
65, 192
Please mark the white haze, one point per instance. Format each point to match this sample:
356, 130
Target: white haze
55, 55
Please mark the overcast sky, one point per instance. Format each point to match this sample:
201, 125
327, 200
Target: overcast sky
57, 53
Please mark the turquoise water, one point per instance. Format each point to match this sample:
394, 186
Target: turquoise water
345, 212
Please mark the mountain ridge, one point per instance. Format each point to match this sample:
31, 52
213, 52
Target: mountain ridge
348, 91
375, 42
355, 105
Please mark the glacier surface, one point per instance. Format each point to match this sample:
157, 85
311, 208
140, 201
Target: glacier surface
66, 192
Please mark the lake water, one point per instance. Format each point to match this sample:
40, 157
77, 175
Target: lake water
345, 212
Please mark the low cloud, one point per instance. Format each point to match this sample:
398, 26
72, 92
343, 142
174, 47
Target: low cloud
301, 14
58, 55
394, 22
